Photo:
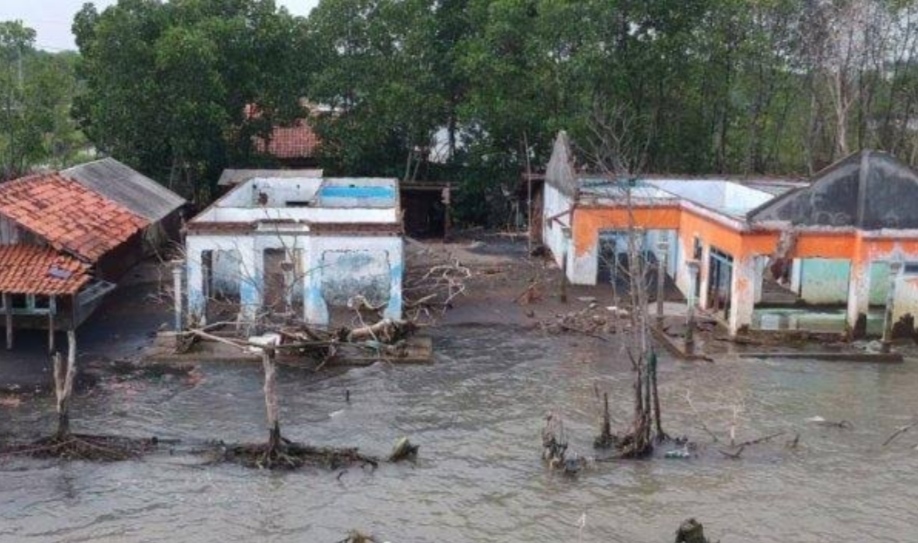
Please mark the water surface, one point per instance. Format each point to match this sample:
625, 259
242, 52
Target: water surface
476, 414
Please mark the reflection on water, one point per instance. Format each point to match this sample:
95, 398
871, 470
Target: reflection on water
477, 415
812, 320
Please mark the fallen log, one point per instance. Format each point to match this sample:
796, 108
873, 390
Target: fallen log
899, 431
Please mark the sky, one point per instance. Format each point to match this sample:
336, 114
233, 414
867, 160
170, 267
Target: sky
51, 19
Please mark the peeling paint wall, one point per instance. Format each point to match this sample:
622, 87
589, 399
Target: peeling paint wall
327, 270
349, 273
226, 273
555, 205
825, 281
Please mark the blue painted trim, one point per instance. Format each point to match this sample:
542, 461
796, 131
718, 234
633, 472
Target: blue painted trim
357, 192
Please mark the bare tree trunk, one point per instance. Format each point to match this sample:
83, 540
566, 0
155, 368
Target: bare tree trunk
63, 385
656, 397
271, 405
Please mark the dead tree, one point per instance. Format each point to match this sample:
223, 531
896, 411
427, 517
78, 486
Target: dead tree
619, 154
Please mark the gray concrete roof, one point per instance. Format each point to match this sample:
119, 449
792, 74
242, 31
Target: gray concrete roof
868, 190
128, 187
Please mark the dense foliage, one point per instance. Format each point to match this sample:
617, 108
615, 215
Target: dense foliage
167, 84
473, 91
36, 90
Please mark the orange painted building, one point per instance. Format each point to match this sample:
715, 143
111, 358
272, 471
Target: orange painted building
857, 214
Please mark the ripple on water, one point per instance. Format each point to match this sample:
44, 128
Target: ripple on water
477, 414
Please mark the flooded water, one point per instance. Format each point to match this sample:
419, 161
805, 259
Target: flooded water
476, 414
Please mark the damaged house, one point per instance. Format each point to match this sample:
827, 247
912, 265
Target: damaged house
136, 192
62, 246
833, 254
297, 246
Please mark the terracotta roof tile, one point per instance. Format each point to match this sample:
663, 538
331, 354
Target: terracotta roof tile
30, 269
69, 216
297, 141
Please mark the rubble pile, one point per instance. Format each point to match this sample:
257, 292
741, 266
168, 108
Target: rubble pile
593, 320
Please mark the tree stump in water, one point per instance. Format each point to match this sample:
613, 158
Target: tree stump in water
64, 374
403, 450
690, 531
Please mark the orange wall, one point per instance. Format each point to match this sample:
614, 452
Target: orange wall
589, 221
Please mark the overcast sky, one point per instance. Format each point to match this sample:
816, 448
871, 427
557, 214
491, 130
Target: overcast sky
51, 19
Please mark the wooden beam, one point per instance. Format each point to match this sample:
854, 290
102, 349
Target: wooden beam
8, 304
51, 305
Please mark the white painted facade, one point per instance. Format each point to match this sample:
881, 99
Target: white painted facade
328, 241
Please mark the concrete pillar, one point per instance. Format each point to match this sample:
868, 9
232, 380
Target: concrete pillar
251, 282
661, 275
314, 307
396, 271
760, 262
858, 297
894, 268
194, 280
177, 289
742, 296
692, 266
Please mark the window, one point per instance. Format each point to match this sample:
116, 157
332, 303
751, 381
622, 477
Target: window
910, 268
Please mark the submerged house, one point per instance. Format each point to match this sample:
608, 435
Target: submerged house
299, 246
61, 248
756, 255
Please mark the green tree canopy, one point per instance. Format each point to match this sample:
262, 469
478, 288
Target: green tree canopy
168, 83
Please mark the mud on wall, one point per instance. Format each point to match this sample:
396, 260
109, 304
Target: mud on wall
349, 272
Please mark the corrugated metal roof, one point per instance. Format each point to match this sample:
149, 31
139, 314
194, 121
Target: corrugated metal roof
128, 187
231, 177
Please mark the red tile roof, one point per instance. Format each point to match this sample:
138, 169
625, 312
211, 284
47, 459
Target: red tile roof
70, 217
30, 269
297, 141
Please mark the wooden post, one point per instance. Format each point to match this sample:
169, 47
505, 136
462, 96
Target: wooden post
51, 310
566, 232
564, 280
8, 304
446, 198
894, 268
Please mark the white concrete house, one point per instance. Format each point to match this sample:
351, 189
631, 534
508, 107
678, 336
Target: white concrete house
298, 244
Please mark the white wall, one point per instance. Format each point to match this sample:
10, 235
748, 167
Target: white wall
554, 203
332, 269
305, 214
715, 193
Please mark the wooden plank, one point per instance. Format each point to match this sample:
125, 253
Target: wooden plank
8, 304
51, 305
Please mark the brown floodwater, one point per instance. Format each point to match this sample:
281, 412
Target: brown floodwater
477, 414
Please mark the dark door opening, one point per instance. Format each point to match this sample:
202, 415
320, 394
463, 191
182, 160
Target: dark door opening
720, 281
